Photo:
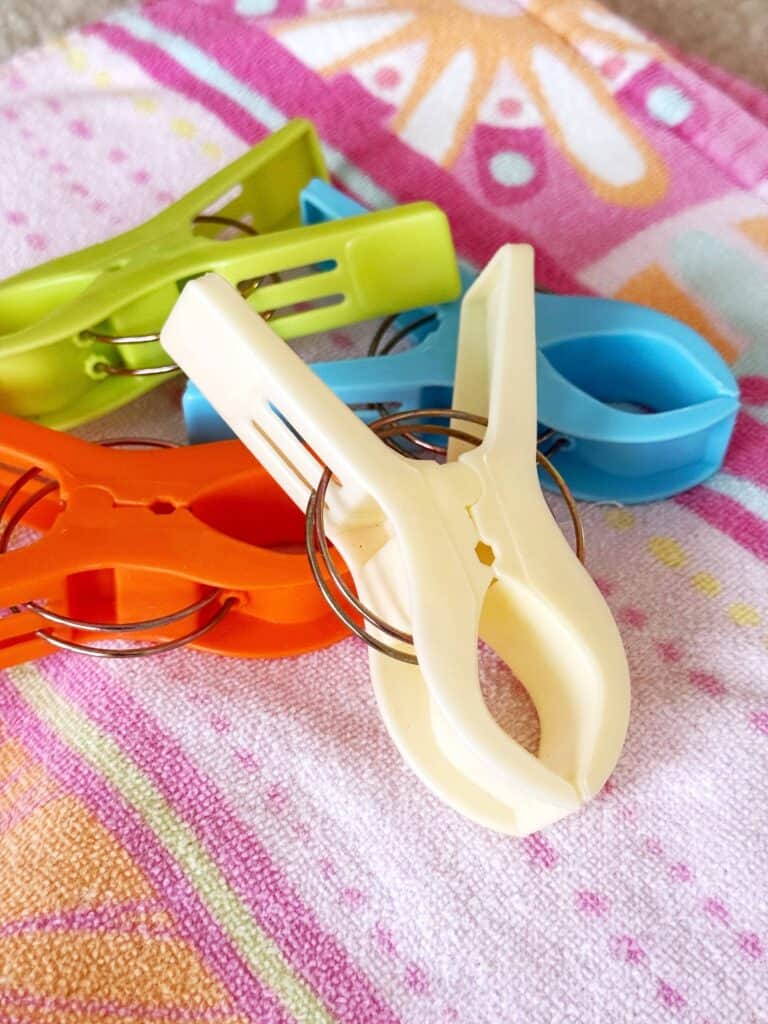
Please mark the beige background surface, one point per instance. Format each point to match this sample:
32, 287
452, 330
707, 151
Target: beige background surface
733, 33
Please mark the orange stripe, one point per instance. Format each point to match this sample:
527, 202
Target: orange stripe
119, 970
756, 230
653, 287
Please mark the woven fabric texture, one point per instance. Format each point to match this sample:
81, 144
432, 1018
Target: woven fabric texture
195, 838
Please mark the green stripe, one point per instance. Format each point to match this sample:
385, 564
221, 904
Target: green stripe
258, 950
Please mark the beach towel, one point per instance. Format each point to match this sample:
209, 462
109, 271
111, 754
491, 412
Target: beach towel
195, 838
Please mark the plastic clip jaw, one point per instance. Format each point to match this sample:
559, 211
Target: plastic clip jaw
410, 533
644, 407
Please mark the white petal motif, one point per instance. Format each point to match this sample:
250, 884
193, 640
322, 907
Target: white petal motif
391, 75
432, 126
319, 43
590, 134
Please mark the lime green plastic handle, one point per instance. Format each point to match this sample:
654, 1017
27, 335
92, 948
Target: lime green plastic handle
128, 285
310, 279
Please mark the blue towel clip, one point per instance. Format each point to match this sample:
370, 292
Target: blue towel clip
633, 405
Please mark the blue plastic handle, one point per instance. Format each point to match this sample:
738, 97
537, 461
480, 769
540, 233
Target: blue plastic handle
640, 405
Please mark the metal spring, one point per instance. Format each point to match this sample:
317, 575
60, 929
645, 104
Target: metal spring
376, 348
388, 428
246, 289
380, 347
48, 486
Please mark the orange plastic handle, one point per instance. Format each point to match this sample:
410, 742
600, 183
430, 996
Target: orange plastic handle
136, 534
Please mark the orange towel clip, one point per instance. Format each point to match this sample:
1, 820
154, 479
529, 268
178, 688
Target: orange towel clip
165, 546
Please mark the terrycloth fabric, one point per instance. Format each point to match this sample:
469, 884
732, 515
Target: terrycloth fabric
195, 838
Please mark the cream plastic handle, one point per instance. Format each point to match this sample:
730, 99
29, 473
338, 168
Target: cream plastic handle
405, 532
258, 385
544, 615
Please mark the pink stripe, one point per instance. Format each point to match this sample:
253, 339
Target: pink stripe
752, 99
344, 114
165, 70
748, 452
754, 390
314, 954
26, 804
193, 919
117, 917
729, 517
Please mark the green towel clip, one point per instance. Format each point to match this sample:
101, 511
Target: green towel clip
79, 335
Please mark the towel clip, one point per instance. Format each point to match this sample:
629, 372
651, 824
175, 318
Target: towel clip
175, 547
79, 333
444, 553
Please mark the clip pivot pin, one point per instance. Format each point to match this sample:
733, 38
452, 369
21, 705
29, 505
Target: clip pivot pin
443, 553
